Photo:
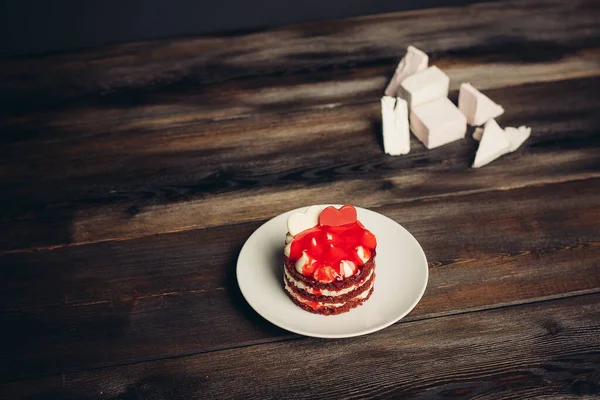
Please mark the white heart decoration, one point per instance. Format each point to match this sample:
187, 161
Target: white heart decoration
299, 222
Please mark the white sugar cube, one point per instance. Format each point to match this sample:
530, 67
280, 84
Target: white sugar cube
437, 123
493, 144
425, 86
414, 61
396, 135
476, 106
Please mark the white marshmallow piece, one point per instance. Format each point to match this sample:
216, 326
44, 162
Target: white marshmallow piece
476, 106
347, 268
388, 122
299, 222
396, 134
363, 254
402, 129
516, 136
303, 261
437, 123
414, 61
493, 144
425, 86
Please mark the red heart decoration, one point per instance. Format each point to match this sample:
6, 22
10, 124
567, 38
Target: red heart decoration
331, 216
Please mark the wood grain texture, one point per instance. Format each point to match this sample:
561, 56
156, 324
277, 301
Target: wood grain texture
108, 144
121, 302
190, 104
500, 27
148, 181
131, 176
535, 350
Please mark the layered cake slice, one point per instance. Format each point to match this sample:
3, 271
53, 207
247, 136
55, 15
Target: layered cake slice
329, 263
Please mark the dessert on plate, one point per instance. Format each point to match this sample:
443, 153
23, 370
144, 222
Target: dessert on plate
329, 260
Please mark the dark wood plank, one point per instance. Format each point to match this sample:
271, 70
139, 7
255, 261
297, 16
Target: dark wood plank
505, 28
121, 302
147, 181
203, 260
544, 350
154, 108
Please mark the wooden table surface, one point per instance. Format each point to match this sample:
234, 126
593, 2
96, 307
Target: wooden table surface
131, 176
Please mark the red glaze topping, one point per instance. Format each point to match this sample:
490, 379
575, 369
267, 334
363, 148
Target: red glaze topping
327, 246
313, 304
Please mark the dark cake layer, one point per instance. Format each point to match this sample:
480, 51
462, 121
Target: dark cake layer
331, 299
324, 310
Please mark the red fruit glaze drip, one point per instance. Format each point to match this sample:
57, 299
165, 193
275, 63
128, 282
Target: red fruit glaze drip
327, 246
313, 304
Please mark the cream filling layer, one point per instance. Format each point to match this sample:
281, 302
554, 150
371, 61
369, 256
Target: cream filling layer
324, 292
319, 304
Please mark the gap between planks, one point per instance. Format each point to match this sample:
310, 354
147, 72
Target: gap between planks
294, 336
460, 193
431, 265
580, 65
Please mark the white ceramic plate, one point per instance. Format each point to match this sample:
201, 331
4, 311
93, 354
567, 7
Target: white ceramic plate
401, 269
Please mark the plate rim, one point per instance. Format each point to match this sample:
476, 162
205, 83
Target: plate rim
367, 331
